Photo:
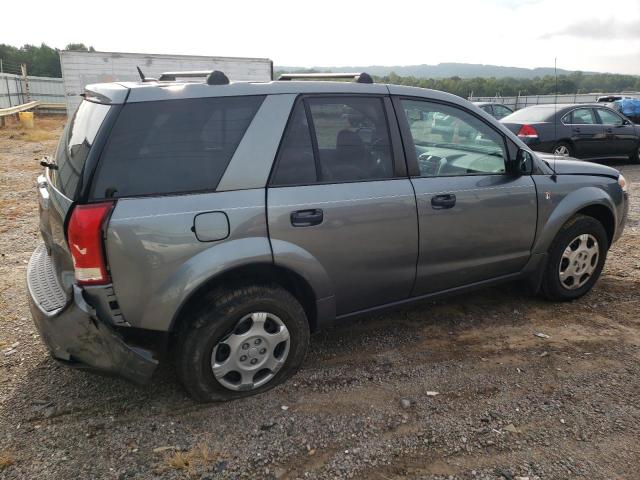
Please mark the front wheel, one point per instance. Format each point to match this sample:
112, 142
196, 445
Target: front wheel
241, 341
576, 259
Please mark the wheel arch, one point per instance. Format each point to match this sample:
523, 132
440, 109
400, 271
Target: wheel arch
591, 201
604, 215
259, 273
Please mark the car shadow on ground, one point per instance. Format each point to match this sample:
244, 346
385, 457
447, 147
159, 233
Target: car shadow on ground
51, 390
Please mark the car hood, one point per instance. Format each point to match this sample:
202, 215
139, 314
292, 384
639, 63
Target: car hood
572, 166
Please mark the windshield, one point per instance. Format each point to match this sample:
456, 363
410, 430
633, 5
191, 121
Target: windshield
74, 146
531, 115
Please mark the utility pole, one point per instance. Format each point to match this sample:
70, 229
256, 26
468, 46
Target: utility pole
23, 69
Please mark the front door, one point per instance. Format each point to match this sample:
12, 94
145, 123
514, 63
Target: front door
476, 222
339, 203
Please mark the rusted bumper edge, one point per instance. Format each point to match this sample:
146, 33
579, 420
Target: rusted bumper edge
73, 332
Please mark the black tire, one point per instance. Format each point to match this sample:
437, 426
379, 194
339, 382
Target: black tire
215, 316
552, 287
566, 145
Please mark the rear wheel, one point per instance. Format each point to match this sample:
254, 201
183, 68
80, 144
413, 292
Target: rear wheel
562, 149
635, 155
576, 259
241, 342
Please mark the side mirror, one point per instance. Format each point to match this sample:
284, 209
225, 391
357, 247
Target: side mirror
522, 165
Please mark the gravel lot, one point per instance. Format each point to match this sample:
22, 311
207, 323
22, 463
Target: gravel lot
455, 389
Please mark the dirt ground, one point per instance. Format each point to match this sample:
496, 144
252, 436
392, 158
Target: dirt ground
509, 404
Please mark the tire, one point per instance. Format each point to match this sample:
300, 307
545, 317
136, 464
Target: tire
565, 147
556, 284
215, 320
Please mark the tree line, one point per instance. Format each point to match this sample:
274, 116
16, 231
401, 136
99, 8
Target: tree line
575, 82
42, 61
45, 61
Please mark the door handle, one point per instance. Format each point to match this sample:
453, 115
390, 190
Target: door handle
307, 218
576, 129
440, 202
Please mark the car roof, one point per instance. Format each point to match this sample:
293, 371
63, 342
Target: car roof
131, 92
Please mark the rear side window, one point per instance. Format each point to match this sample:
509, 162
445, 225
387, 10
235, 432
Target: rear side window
74, 146
173, 146
335, 140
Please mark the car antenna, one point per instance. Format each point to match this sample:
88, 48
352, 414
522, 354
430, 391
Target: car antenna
555, 113
143, 78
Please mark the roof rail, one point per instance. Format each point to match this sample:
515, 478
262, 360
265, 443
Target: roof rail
362, 77
215, 77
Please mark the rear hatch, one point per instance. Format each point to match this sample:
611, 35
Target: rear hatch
61, 184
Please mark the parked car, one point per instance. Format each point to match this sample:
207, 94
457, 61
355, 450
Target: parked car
588, 132
218, 224
496, 110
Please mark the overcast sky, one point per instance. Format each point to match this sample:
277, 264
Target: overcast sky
583, 34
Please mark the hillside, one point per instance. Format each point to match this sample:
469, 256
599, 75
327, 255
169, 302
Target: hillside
441, 70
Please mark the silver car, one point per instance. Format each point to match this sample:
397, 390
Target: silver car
218, 224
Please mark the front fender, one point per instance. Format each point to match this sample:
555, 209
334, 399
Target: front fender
555, 211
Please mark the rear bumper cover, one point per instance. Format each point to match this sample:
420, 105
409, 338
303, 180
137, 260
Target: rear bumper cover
72, 331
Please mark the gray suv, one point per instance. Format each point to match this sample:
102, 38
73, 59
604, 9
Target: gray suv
217, 224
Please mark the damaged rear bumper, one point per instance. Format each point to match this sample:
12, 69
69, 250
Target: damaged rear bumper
72, 330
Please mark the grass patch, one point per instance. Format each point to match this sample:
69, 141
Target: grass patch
45, 128
6, 459
199, 457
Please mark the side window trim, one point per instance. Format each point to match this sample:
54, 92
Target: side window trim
314, 139
407, 138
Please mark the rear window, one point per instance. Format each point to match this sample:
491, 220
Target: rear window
531, 115
172, 146
74, 146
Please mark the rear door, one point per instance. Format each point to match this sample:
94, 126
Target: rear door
476, 222
59, 186
621, 135
587, 134
339, 201
500, 111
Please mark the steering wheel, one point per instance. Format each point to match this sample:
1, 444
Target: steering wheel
430, 165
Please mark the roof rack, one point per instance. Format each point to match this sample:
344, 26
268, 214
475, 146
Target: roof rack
213, 78
362, 77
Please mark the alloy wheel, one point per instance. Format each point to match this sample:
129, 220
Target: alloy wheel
253, 353
579, 261
561, 150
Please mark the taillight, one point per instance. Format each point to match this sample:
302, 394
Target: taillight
527, 131
84, 234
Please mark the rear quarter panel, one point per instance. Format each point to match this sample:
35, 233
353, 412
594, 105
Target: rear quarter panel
156, 260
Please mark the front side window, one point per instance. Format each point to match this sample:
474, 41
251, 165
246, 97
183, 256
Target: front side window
582, 116
172, 146
333, 140
609, 118
449, 141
